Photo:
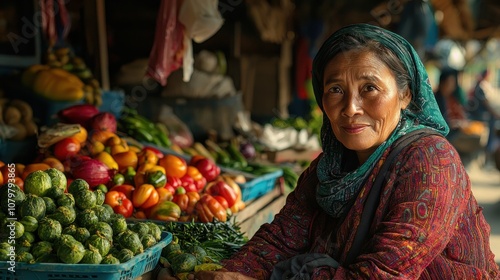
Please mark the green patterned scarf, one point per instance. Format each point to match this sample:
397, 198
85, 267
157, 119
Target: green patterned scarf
338, 187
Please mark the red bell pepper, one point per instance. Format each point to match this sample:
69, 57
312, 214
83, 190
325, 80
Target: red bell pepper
174, 181
223, 189
170, 188
206, 167
188, 183
200, 184
120, 203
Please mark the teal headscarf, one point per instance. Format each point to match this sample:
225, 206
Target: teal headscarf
339, 185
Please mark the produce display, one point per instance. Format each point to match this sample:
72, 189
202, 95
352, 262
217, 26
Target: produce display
238, 155
197, 246
137, 181
102, 189
142, 129
63, 77
71, 227
17, 115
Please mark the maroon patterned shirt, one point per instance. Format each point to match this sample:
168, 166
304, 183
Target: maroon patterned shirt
428, 225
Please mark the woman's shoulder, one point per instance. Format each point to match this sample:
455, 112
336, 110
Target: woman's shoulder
431, 147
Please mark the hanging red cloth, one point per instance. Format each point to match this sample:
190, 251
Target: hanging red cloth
303, 68
167, 52
54, 20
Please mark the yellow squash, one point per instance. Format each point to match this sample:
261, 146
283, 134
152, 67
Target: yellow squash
58, 84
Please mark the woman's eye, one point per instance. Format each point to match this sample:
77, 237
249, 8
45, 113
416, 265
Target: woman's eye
334, 90
370, 88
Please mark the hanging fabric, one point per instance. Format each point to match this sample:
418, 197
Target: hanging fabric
201, 20
55, 21
167, 52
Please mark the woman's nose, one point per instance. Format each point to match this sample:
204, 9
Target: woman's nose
352, 105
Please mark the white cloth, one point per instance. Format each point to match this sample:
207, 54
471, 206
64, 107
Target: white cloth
201, 20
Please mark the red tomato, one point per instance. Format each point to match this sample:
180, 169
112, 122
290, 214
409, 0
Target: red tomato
66, 148
120, 203
126, 189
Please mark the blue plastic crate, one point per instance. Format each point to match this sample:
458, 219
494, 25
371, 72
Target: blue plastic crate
130, 270
259, 186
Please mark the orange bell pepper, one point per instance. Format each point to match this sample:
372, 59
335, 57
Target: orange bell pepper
194, 173
164, 195
145, 196
208, 209
147, 156
187, 201
174, 166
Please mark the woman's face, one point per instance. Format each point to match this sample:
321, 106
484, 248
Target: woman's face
362, 101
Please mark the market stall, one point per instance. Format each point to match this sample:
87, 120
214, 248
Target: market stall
166, 155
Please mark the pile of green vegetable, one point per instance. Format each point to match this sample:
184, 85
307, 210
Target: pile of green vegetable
201, 246
52, 226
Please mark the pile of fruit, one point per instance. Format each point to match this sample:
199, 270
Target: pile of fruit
63, 77
52, 225
138, 181
17, 115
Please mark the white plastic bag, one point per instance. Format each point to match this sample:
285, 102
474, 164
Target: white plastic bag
201, 20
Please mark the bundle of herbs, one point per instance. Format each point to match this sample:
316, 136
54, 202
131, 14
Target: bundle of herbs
219, 239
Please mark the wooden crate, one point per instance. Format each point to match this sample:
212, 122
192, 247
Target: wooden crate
261, 211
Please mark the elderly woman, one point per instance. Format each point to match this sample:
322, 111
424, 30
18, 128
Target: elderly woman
373, 90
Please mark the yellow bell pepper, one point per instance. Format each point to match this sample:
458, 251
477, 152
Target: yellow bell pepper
58, 84
149, 167
96, 147
107, 159
120, 148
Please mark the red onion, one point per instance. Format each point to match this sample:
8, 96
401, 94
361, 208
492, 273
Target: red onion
93, 171
80, 114
103, 121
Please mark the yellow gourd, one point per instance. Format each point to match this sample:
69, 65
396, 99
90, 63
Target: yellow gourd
58, 84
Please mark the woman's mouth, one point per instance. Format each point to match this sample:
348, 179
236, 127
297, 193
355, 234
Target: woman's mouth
354, 129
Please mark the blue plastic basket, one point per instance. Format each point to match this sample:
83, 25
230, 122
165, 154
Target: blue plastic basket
259, 186
129, 270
